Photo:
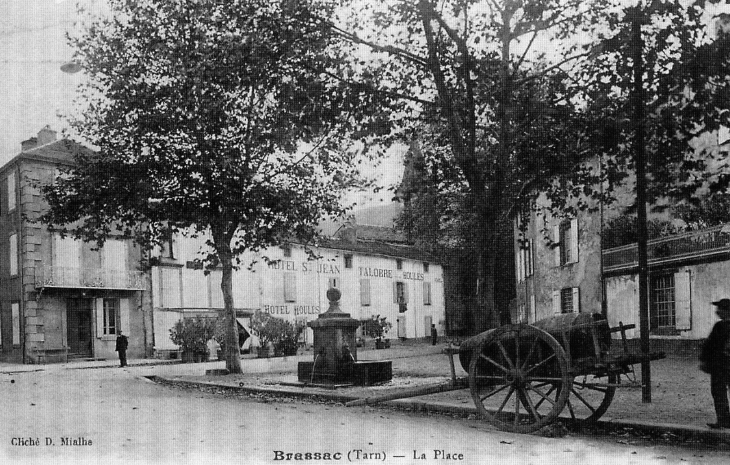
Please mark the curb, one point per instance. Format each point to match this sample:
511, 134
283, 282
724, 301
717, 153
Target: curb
685, 431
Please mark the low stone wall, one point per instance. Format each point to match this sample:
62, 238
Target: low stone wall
673, 346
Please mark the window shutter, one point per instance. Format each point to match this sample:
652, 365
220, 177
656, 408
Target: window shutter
576, 300
533, 309
365, 292
99, 304
405, 292
395, 292
683, 301
15, 310
518, 260
574, 240
124, 316
556, 302
556, 240
13, 255
426, 293
290, 287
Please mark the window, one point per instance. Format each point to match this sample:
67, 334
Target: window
287, 251
334, 283
663, 311
13, 255
111, 312
364, 292
170, 287
425, 267
11, 192
566, 238
524, 260
348, 261
290, 287
566, 300
400, 295
15, 310
168, 246
426, 293
399, 264
670, 308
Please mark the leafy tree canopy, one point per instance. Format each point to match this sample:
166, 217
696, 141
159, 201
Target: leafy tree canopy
216, 117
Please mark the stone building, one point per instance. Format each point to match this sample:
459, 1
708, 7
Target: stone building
61, 299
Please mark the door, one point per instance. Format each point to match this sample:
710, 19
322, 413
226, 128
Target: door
78, 327
427, 321
402, 326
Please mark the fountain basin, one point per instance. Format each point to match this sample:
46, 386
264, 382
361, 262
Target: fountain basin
359, 373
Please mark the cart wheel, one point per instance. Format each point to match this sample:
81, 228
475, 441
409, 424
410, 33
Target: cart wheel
590, 397
519, 378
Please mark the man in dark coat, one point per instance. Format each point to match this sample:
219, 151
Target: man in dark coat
121, 348
715, 359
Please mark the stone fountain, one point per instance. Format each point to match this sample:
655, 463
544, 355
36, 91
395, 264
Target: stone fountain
335, 352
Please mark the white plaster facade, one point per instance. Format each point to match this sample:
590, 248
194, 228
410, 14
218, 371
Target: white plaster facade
293, 286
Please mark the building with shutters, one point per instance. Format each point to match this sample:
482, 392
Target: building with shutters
61, 299
561, 268
687, 272
376, 272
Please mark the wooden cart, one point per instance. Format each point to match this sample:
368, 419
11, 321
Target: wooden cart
522, 376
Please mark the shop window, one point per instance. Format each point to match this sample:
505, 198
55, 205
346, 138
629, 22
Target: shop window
290, 287
111, 313
348, 261
365, 292
13, 244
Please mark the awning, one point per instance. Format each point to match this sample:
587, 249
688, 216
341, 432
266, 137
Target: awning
243, 325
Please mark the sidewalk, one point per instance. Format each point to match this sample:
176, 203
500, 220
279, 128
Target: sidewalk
681, 402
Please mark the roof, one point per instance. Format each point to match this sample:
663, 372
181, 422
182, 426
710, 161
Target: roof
61, 151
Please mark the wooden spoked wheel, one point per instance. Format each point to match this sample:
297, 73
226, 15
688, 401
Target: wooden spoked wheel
519, 378
590, 396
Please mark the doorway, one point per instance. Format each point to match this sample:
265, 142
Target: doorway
78, 327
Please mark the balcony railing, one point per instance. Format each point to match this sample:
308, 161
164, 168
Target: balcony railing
88, 278
691, 245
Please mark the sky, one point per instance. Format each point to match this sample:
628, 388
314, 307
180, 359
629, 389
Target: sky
34, 92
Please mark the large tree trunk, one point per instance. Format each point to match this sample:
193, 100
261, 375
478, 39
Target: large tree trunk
232, 350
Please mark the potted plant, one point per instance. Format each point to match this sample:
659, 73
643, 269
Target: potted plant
192, 335
288, 342
376, 327
275, 334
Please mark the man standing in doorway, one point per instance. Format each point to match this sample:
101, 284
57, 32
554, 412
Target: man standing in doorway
715, 359
121, 348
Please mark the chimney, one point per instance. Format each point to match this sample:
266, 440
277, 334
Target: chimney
29, 144
46, 136
348, 231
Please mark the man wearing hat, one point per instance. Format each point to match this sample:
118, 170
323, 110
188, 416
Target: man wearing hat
715, 359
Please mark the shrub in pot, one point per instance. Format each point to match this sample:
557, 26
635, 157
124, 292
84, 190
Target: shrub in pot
376, 328
192, 335
275, 334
